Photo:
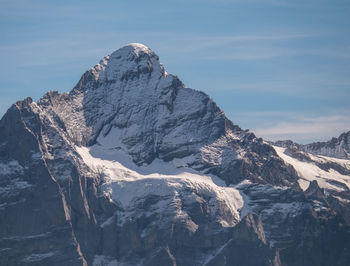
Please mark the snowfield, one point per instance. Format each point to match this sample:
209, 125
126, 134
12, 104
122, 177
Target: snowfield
309, 171
128, 184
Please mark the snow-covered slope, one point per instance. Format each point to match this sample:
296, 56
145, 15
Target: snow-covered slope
314, 167
133, 168
130, 99
171, 185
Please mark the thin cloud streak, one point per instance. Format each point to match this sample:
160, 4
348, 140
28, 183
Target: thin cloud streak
309, 128
261, 2
226, 47
295, 85
277, 3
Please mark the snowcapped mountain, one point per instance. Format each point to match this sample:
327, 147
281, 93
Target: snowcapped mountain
133, 168
336, 147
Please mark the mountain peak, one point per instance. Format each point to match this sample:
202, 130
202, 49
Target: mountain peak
131, 167
132, 51
137, 47
129, 104
128, 62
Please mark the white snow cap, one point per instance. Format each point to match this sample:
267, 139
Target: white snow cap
139, 47
132, 48
134, 57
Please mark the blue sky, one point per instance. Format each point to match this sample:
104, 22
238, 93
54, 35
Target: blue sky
280, 68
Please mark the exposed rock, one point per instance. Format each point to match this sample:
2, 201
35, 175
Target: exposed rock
336, 147
133, 168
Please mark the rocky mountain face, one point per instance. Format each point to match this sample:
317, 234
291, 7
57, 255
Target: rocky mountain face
133, 168
336, 147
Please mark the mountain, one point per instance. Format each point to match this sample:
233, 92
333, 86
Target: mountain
336, 147
133, 168
331, 172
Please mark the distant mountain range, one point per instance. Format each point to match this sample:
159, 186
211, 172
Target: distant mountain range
133, 168
336, 147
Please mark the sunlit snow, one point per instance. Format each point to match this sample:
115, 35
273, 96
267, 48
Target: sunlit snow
309, 171
127, 183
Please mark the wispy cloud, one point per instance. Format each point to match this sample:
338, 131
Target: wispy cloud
306, 86
263, 2
65, 46
250, 52
282, 3
307, 129
233, 46
53, 10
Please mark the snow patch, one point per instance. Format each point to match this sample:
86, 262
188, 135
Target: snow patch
21, 238
212, 256
37, 156
284, 209
15, 187
100, 260
10, 168
309, 171
129, 185
38, 257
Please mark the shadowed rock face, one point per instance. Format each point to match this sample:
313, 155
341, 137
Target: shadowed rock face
132, 168
247, 246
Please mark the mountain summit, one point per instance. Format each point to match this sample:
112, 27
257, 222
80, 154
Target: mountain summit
131, 167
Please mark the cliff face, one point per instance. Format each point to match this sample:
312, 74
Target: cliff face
131, 167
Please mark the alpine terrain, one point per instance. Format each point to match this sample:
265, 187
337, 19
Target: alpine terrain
131, 167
